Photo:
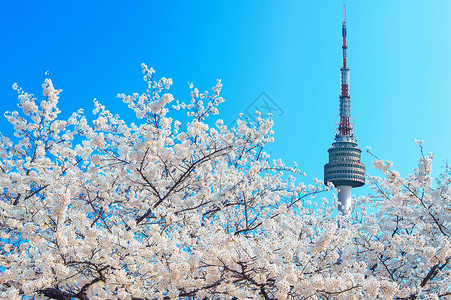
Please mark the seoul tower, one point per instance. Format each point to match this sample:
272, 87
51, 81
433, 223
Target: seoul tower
344, 169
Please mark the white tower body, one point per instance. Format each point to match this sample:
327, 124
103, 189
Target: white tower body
344, 199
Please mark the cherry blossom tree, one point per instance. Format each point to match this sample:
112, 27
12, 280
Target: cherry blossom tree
164, 209
406, 242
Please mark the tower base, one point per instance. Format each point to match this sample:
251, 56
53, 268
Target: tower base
344, 199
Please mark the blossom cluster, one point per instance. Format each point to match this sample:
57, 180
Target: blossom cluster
165, 209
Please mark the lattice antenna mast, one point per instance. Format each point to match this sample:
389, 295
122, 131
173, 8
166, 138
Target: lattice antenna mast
345, 130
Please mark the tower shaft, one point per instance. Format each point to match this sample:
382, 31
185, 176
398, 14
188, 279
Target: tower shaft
344, 199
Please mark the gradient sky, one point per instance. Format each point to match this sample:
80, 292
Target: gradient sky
399, 57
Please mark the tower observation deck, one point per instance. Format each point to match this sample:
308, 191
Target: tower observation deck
344, 168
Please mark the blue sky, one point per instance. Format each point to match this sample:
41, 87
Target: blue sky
399, 55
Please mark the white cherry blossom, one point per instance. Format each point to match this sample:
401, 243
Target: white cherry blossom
192, 209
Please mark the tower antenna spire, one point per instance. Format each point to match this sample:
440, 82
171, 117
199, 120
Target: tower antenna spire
344, 169
345, 128
344, 13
